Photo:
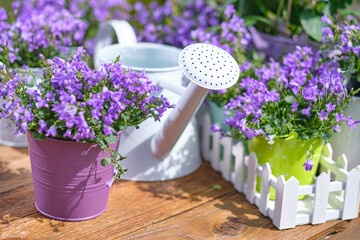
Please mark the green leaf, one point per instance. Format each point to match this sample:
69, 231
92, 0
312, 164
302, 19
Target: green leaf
292, 136
312, 24
251, 20
217, 187
125, 117
111, 139
339, 4
347, 12
326, 135
106, 161
38, 136
102, 144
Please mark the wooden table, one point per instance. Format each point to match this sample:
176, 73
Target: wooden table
199, 206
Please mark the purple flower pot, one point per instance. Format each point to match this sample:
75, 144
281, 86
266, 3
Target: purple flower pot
69, 180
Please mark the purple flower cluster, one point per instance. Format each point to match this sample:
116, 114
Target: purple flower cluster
348, 40
341, 40
173, 22
301, 95
78, 103
232, 36
169, 23
35, 27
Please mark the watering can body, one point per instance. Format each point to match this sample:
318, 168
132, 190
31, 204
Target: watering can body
161, 65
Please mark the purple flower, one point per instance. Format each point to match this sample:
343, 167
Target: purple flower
215, 128
323, 115
351, 123
51, 131
306, 111
110, 182
325, 19
229, 10
336, 128
339, 117
42, 126
308, 164
294, 106
330, 107
108, 130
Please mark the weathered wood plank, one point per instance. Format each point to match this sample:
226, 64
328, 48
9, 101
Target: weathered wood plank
186, 208
132, 206
228, 217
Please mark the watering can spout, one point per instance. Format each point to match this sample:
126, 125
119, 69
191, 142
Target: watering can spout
208, 68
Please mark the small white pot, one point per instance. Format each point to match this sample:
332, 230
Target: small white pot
347, 141
7, 129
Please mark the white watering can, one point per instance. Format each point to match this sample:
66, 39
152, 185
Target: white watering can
168, 149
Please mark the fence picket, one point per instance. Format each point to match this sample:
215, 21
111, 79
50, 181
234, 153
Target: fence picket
351, 199
238, 151
225, 165
321, 198
251, 178
284, 211
286, 202
358, 169
265, 189
206, 135
328, 153
215, 152
343, 163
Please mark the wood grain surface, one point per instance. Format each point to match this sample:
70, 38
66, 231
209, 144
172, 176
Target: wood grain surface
199, 206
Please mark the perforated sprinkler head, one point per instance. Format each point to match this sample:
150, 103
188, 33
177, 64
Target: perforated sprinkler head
208, 68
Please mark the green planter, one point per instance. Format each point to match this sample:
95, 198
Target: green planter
286, 157
217, 116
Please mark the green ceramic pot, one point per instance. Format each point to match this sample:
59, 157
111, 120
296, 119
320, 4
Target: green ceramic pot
286, 157
217, 116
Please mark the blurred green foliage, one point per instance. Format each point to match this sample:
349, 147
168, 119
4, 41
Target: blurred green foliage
290, 17
5, 4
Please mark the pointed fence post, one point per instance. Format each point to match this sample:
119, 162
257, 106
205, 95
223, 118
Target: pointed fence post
328, 153
215, 152
351, 199
358, 169
225, 165
343, 163
238, 152
251, 178
321, 198
265, 189
206, 135
286, 202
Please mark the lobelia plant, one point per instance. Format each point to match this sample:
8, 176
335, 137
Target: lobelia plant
37, 27
172, 22
300, 98
169, 22
96, 12
76, 103
341, 40
232, 36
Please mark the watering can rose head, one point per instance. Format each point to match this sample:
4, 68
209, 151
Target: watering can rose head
301, 98
75, 102
33, 28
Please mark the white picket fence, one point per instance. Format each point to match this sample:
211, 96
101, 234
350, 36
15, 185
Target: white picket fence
335, 194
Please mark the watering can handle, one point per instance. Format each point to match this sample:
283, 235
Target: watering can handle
125, 35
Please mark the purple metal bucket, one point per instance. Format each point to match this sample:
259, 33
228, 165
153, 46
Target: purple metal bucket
69, 180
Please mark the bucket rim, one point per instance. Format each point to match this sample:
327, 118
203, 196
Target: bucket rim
140, 45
